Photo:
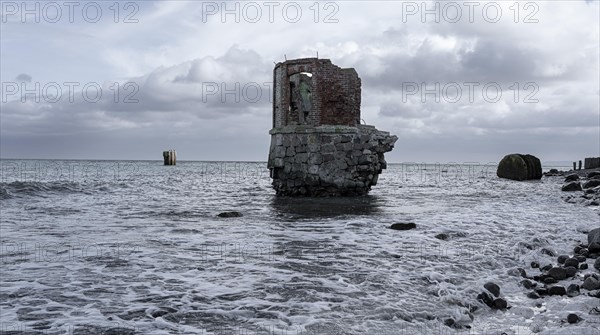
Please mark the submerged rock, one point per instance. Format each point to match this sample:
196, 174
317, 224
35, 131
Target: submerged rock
232, 214
403, 226
573, 318
519, 167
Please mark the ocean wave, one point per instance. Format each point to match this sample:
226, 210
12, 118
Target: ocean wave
19, 189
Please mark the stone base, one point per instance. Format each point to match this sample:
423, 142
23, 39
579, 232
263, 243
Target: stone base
327, 160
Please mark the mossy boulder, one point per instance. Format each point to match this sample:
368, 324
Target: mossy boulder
519, 167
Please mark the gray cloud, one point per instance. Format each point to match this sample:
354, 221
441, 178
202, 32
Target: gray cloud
23, 77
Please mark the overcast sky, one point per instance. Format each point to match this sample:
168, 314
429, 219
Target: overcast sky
169, 62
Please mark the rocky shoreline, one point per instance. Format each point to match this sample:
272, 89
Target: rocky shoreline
554, 287
583, 186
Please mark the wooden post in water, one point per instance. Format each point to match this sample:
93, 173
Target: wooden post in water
579, 165
574, 166
170, 157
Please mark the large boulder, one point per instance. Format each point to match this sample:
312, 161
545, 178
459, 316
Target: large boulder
519, 167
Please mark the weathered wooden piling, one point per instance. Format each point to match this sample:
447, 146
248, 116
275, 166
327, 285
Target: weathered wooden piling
579, 165
574, 166
591, 162
170, 157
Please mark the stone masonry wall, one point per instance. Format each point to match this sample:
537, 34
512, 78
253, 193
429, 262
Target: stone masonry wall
327, 160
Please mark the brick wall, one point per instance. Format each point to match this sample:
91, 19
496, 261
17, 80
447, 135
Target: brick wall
335, 93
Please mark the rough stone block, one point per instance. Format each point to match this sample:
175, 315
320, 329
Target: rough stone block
315, 158
290, 152
314, 148
279, 152
327, 148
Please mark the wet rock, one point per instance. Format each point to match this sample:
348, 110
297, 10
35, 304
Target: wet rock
597, 264
517, 272
442, 236
230, 215
571, 271
533, 295
593, 236
594, 247
577, 249
557, 273
403, 226
548, 252
557, 290
535, 265
549, 280
584, 252
572, 177
571, 187
546, 267
519, 167
591, 283
486, 298
580, 258
528, 284
499, 303
573, 318
573, 290
493, 288
449, 322
542, 291
591, 183
571, 262
562, 258
583, 266
593, 174
159, 313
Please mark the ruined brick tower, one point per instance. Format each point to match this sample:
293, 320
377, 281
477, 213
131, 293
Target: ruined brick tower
318, 145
